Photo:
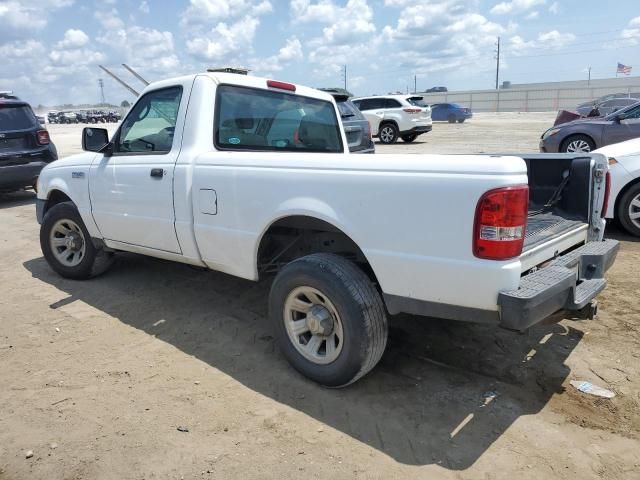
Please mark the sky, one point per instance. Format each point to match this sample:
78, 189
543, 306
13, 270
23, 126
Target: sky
50, 49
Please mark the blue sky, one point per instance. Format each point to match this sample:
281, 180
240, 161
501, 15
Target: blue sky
51, 49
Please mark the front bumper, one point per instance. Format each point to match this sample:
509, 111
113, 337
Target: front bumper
568, 283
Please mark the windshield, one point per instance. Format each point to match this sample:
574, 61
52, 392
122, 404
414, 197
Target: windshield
16, 117
622, 110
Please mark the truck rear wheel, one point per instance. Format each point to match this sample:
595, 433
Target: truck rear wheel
328, 318
67, 245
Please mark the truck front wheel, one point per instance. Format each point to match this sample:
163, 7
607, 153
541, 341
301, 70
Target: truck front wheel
328, 318
67, 245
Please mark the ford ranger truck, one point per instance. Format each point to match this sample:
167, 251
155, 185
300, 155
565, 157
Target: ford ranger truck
253, 177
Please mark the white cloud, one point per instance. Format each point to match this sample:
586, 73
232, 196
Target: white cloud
75, 57
224, 39
144, 7
110, 20
207, 11
532, 15
291, 51
545, 41
554, 8
631, 34
19, 19
73, 39
515, 6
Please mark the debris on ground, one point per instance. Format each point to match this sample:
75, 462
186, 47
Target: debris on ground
28, 454
591, 389
489, 397
183, 429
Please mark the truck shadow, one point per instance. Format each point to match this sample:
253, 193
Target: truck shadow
442, 394
16, 199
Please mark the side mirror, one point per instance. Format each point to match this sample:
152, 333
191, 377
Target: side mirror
618, 118
94, 139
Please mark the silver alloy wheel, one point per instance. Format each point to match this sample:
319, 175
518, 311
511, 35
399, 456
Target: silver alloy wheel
313, 325
578, 146
634, 211
67, 242
386, 134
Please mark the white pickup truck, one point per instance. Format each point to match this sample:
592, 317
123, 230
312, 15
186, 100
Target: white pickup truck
252, 177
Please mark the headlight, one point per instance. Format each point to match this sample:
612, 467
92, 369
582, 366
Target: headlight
551, 132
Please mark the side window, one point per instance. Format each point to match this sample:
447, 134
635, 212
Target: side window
150, 125
365, 105
632, 113
392, 103
255, 119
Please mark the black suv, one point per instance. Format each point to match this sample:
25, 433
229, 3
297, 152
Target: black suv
25, 147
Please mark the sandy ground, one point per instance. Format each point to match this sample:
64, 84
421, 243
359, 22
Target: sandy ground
97, 376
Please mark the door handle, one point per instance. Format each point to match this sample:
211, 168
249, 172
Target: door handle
157, 172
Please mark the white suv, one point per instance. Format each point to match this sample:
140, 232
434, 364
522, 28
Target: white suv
393, 116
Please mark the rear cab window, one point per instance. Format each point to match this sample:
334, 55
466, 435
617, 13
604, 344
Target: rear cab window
16, 117
266, 120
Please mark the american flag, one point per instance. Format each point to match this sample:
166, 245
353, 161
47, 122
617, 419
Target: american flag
624, 69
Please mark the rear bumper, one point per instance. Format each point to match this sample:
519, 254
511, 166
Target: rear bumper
569, 283
19, 176
417, 130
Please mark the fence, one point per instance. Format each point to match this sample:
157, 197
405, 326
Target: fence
528, 100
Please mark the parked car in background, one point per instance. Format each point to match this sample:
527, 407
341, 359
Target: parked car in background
52, 116
395, 116
606, 107
450, 112
587, 134
68, 117
356, 126
25, 146
624, 198
41, 119
437, 90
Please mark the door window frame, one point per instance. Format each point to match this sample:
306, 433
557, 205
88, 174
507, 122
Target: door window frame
116, 137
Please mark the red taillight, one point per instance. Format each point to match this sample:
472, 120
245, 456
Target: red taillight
281, 85
607, 191
412, 110
42, 137
500, 223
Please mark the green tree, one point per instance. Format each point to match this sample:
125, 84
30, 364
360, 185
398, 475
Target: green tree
125, 104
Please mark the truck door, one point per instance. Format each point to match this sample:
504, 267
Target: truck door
132, 189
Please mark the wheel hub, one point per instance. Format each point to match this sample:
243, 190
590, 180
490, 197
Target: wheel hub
319, 321
73, 241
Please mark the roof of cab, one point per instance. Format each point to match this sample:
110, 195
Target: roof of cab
242, 80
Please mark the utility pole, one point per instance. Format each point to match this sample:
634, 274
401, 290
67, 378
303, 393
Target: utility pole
101, 83
498, 63
415, 84
589, 79
344, 73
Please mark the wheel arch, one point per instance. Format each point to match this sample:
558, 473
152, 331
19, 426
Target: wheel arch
307, 224
621, 194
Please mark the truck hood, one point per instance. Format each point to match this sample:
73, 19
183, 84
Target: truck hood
77, 160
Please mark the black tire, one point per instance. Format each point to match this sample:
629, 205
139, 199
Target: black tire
577, 140
409, 138
451, 118
388, 133
95, 260
624, 207
359, 306
461, 120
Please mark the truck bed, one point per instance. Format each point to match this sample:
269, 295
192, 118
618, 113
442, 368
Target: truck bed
543, 227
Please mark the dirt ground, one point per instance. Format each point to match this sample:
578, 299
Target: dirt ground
96, 377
